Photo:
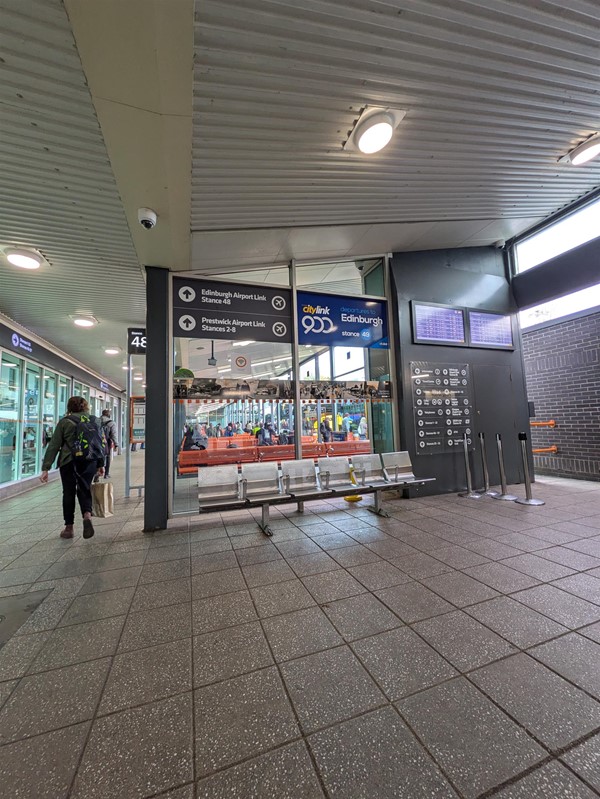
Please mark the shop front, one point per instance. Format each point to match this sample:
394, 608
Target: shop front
35, 385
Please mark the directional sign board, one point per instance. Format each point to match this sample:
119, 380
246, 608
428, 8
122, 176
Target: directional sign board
341, 321
214, 310
136, 340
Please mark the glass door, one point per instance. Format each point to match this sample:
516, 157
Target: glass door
64, 387
49, 403
11, 374
31, 439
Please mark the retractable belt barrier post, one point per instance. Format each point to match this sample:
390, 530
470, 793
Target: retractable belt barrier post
469, 493
504, 494
486, 475
528, 498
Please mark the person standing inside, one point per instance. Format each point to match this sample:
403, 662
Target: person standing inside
362, 428
346, 424
325, 430
78, 442
110, 433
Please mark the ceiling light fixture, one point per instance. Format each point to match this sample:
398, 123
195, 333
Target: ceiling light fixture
374, 129
584, 152
82, 320
112, 350
25, 259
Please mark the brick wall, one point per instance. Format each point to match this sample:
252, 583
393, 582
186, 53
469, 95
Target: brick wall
562, 369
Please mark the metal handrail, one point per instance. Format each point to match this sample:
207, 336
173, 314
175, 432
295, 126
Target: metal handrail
550, 423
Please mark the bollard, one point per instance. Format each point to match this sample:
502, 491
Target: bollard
469, 493
503, 494
528, 498
486, 475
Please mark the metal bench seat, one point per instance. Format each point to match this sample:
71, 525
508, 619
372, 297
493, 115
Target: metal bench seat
219, 487
335, 475
300, 479
399, 470
261, 485
368, 471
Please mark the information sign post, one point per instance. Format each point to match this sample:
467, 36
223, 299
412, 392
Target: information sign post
136, 345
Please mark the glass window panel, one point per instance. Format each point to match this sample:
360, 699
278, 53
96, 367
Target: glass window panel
31, 421
64, 390
49, 403
11, 371
555, 309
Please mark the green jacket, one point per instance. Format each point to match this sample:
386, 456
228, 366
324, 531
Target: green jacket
62, 441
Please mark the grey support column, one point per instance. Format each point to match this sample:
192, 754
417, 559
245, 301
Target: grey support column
156, 481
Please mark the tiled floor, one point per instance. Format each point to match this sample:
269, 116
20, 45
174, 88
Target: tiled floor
451, 650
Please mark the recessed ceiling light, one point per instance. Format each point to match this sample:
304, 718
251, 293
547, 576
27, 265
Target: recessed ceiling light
112, 350
138, 378
126, 367
25, 259
584, 152
84, 321
374, 130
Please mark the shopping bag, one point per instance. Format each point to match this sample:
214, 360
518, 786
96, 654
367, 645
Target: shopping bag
102, 500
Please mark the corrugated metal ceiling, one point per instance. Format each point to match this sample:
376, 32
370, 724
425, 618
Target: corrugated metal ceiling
59, 194
495, 91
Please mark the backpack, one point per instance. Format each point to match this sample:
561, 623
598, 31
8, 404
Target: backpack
90, 440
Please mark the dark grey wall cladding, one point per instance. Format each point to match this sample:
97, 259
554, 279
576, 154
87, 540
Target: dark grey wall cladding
473, 277
563, 379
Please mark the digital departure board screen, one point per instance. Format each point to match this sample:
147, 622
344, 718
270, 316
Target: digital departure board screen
438, 324
490, 330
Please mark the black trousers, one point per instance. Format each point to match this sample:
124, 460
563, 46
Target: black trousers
77, 482
107, 461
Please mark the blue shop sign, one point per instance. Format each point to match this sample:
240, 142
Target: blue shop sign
342, 321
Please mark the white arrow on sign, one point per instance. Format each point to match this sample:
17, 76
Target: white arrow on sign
187, 294
187, 323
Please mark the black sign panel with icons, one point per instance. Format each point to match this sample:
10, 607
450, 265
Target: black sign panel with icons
214, 310
442, 397
136, 341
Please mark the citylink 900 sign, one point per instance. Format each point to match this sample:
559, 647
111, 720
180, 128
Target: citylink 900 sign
316, 319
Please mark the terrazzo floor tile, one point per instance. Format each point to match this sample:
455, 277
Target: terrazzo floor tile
98, 606
456, 723
413, 602
333, 585
421, 565
360, 616
593, 632
254, 555
401, 662
214, 562
216, 583
186, 792
590, 546
576, 658
459, 557
334, 541
230, 652
139, 752
463, 641
42, 767
300, 633
493, 550
520, 625
239, 718
156, 626
156, 595
147, 675
501, 577
287, 772
328, 687
578, 561
551, 780
585, 761
79, 643
539, 568
585, 586
217, 612
6, 689
167, 570
559, 605
460, 589
271, 600
403, 770
48, 701
524, 542
10, 577
158, 554
354, 555
212, 546
274, 571
45, 617
378, 575
294, 549
107, 581
256, 539
316, 563
554, 711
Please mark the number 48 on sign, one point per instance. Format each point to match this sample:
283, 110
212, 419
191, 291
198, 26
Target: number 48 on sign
136, 341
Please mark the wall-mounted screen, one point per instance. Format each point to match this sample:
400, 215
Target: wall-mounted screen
438, 324
490, 330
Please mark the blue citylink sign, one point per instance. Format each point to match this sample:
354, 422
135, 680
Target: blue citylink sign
342, 321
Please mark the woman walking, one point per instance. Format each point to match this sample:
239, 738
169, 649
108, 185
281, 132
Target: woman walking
80, 458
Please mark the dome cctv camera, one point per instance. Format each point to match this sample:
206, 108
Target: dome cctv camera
147, 218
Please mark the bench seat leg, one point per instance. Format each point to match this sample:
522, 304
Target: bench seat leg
376, 506
264, 521
300, 507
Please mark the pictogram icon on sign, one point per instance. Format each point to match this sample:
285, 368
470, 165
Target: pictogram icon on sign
279, 329
241, 362
187, 322
278, 303
187, 294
